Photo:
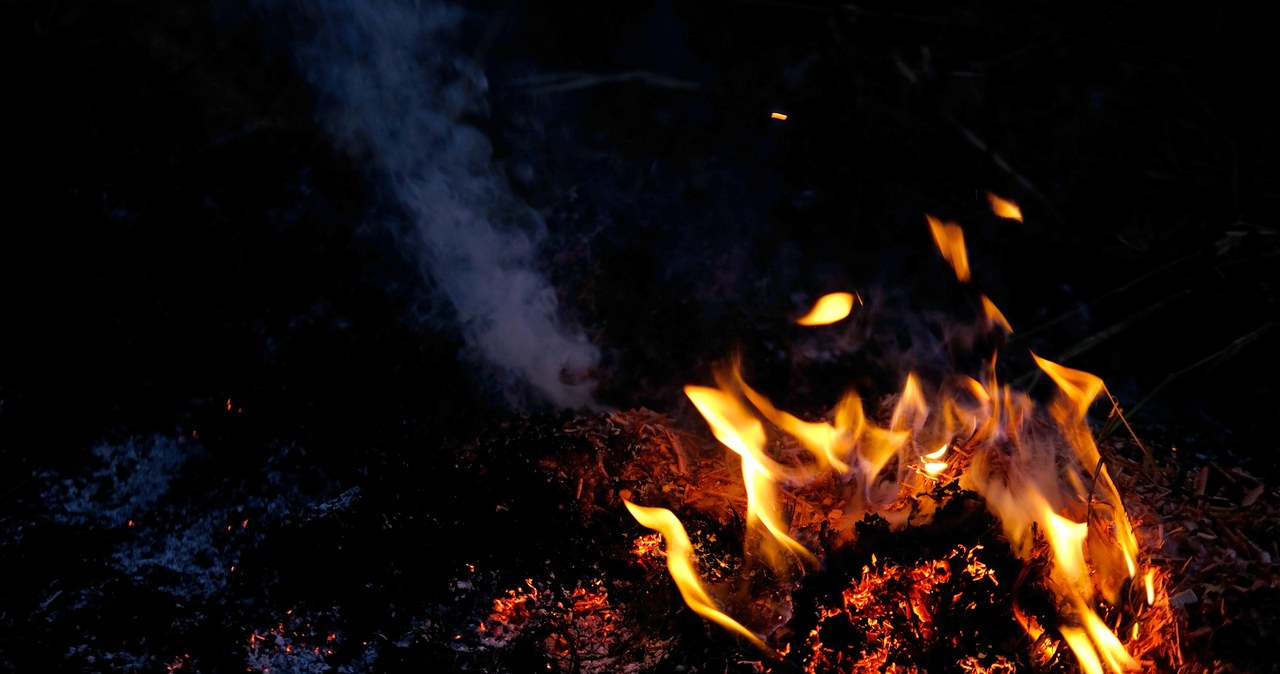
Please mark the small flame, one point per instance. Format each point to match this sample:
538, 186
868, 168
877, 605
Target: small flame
680, 565
994, 315
912, 409
829, 309
1108, 645
1079, 387
1149, 581
933, 464
950, 240
780, 116
934, 468
1004, 208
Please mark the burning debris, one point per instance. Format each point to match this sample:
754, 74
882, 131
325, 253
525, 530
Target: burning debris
936, 588
224, 255
1037, 469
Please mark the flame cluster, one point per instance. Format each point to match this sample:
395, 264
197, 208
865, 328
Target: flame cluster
1037, 468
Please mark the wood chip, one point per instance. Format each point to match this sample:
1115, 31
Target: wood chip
1251, 496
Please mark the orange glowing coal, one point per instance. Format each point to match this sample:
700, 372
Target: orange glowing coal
1037, 468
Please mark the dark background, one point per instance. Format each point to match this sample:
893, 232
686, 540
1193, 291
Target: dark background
184, 240
181, 228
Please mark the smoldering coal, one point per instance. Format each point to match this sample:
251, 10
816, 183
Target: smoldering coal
395, 86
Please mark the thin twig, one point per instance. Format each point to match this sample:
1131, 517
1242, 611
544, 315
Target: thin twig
1214, 358
1097, 338
1148, 461
1030, 378
1024, 334
562, 82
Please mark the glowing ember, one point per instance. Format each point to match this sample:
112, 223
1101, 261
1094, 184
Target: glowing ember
1004, 208
293, 644
906, 618
510, 614
829, 309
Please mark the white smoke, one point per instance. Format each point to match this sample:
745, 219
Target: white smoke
394, 88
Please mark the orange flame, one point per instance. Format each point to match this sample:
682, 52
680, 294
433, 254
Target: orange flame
680, 565
736, 428
950, 240
829, 444
932, 462
994, 316
1077, 390
1004, 208
829, 309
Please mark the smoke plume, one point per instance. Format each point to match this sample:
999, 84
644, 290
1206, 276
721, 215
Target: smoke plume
394, 88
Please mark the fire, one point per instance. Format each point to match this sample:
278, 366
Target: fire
735, 427
829, 309
994, 315
950, 240
1037, 468
933, 464
680, 565
1004, 208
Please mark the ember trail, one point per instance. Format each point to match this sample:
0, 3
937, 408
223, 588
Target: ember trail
813, 487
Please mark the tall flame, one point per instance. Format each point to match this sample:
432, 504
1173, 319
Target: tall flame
1115, 562
736, 428
680, 565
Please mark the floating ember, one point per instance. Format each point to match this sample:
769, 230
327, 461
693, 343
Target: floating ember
813, 489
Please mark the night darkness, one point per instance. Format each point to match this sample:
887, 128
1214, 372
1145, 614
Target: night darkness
277, 282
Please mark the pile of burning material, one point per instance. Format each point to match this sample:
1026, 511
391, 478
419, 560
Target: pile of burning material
958, 526
1037, 469
929, 559
943, 592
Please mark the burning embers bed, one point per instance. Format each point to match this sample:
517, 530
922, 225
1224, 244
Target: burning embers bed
961, 526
